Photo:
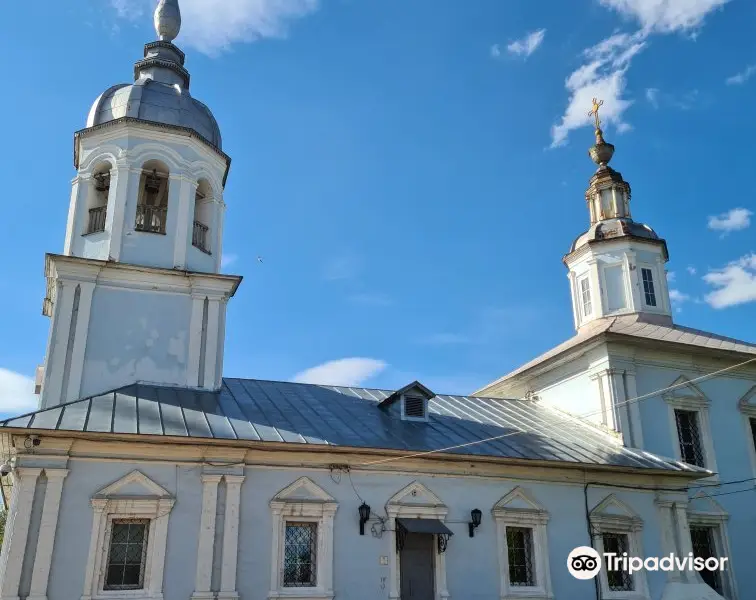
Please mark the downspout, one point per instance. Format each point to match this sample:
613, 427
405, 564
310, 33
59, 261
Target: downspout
590, 537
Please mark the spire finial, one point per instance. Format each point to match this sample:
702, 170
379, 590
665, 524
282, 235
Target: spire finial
601, 153
167, 20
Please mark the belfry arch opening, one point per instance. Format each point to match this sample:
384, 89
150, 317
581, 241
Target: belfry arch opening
203, 203
97, 199
152, 206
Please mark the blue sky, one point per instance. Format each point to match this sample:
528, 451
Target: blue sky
411, 172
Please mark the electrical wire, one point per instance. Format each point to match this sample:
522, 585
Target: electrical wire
593, 413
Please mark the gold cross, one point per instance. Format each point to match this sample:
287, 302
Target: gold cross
595, 111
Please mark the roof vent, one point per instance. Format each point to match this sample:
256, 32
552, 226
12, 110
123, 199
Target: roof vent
415, 407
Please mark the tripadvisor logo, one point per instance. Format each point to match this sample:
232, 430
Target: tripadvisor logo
585, 563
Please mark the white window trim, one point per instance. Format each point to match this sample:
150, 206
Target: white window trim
405, 417
404, 504
536, 519
625, 289
581, 304
699, 405
748, 412
106, 509
630, 525
718, 521
321, 510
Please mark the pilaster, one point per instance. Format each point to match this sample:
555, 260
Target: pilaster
211, 343
78, 186
220, 211
76, 369
124, 182
206, 537
52, 388
47, 530
184, 218
231, 537
17, 531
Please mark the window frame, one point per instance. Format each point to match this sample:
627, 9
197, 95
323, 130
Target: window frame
654, 293
508, 512
698, 404
112, 521
627, 524
582, 294
290, 521
109, 505
405, 416
747, 407
717, 522
318, 508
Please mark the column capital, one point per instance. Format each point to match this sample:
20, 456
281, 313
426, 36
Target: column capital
209, 478
234, 479
26, 473
57, 474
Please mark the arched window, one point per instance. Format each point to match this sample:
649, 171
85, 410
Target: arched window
152, 207
97, 200
203, 202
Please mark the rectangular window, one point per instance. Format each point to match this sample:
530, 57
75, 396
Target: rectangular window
648, 287
618, 581
704, 547
753, 431
615, 288
300, 555
520, 554
126, 556
585, 297
689, 435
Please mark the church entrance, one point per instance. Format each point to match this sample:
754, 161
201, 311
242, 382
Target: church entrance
416, 567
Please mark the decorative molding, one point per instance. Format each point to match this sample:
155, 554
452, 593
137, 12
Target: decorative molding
108, 505
519, 509
303, 500
414, 501
612, 515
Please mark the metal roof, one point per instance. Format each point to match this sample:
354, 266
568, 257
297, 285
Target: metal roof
633, 326
297, 413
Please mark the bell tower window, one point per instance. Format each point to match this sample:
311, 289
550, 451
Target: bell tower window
152, 208
98, 201
202, 218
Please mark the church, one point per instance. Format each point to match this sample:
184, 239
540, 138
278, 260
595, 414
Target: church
147, 475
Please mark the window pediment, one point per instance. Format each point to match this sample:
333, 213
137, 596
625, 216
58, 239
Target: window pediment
685, 394
415, 494
747, 404
134, 485
612, 513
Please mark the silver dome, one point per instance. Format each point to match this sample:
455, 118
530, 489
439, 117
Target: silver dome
611, 229
156, 101
160, 92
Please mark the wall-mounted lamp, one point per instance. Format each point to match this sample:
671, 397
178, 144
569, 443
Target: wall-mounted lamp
364, 516
476, 516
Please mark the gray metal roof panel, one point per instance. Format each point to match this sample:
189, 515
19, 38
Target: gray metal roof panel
317, 415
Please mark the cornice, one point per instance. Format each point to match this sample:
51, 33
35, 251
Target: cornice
78, 135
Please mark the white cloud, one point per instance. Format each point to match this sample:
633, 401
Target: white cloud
671, 276
678, 297
741, 77
734, 284
16, 393
495, 51
528, 44
733, 220
652, 95
691, 270
228, 259
345, 371
603, 73
666, 16
602, 76
212, 27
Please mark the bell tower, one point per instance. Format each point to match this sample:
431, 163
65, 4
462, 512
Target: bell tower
617, 267
137, 294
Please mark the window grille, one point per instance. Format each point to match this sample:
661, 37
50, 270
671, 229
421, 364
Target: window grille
689, 435
621, 580
127, 554
702, 539
520, 554
648, 287
300, 555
